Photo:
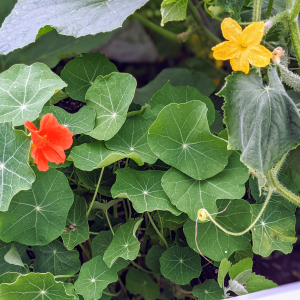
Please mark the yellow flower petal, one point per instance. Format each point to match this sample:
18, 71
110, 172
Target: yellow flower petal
259, 56
231, 30
240, 62
225, 50
253, 34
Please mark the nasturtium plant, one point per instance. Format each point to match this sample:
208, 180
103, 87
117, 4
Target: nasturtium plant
158, 160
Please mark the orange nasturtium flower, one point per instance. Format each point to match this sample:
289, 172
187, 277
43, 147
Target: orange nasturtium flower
49, 142
243, 46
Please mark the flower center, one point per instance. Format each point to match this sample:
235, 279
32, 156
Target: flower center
244, 46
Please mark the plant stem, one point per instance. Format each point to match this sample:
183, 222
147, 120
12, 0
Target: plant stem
269, 10
94, 233
168, 34
108, 221
137, 112
64, 276
85, 251
115, 210
129, 208
95, 194
141, 268
157, 231
202, 27
295, 10
256, 10
255, 221
125, 209
295, 37
279, 165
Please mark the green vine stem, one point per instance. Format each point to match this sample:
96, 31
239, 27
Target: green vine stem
256, 10
157, 231
269, 10
138, 112
86, 252
295, 10
65, 276
281, 190
108, 221
203, 213
95, 194
167, 34
295, 37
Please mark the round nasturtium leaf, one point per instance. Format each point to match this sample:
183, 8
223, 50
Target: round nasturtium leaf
208, 290
35, 286
110, 97
180, 137
180, 265
101, 242
15, 173
153, 256
38, 216
25, 90
93, 64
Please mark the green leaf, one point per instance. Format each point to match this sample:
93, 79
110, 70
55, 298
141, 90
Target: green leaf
271, 129
13, 257
176, 77
166, 219
144, 189
132, 137
240, 267
93, 64
212, 241
189, 195
110, 96
9, 277
182, 94
140, 283
180, 137
75, 18
16, 175
242, 254
173, 10
80, 122
95, 276
5, 9
101, 242
77, 227
275, 229
180, 265
38, 216
153, 256
258, 283
208, 290
232, 6
60, 95
95, 155
25, 90
56, 259
34, 286
51, 48
224, 268
124, 243
90, 180
237, 287
6, 266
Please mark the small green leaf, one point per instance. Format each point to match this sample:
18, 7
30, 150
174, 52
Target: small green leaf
132, 137
60, 95
173, 10
13, 257
166, 219
110, 97
258, 283
101, 242
212, 241
189, 194
262, 121
25, 90
153, 256
56, 259
9, 277
237, 287
241, 266
95, 276
34, 286
80, 122
95, 155
180, 265
223, 270
38, 216
16, 175
208, 290
275, 229
77, 227
124, 243
93, 64
180, 137
176, 77
232, 6
140, 283
242, 254
144, 189
181, 94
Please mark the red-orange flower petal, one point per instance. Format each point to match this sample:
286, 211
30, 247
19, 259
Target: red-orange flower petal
54, 154
48, 121
60, 136
30, 126
39, 159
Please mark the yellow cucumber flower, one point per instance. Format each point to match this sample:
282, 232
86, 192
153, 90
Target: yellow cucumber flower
242, 46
